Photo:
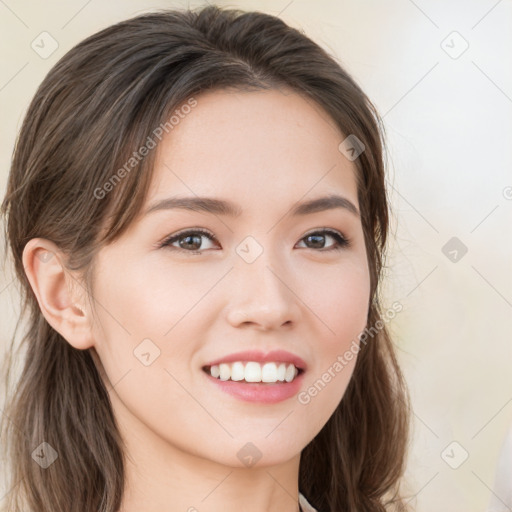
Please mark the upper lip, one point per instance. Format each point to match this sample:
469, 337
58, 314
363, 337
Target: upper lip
278, 356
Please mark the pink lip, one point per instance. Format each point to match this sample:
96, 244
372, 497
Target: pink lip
278, 356
263, 392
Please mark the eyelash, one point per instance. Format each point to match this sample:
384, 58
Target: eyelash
341, 241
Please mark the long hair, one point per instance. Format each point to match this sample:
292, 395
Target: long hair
102, 101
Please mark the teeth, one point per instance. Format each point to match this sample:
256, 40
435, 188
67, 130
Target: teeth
281, 372
254, 372
290, 373
237, 371
225, 371
269, 372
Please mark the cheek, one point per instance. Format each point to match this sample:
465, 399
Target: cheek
339, 297
150, 314
340, 302
140, 298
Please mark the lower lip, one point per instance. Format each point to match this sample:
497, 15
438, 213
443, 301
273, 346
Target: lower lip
262, 392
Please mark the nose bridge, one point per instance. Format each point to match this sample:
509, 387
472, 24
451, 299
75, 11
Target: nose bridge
263, 293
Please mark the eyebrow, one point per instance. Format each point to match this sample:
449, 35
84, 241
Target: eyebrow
227, 208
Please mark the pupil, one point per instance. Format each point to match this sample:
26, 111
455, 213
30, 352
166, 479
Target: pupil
318, 238
187, 240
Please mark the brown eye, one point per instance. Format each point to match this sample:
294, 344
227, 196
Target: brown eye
317, 240
189, 241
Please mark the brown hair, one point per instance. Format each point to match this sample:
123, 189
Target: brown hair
95, 107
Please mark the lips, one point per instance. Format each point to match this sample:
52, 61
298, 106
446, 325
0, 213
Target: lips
257, 392
274, 356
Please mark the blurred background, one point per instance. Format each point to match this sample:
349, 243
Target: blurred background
440, 75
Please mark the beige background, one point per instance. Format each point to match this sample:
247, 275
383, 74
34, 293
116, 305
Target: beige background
449, 128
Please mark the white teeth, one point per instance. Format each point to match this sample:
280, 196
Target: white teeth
281, 372
225, 371
237, 371
290, 373
254, 372
269, 372
214, 371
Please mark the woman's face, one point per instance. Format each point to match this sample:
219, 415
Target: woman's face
262, 283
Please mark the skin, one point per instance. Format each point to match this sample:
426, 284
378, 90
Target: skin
265, 151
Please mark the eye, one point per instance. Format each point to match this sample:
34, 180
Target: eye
190, 239
317, 239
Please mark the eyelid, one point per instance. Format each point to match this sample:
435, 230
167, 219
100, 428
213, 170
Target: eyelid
342, 241
168, 239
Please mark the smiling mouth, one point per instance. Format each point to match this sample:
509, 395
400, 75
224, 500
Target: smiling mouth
254, 372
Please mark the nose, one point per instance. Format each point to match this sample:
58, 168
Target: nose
263, 297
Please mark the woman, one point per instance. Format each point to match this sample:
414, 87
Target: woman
197, 214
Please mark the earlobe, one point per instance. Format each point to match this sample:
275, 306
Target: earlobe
55, 290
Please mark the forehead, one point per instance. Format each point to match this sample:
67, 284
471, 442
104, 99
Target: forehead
255, 147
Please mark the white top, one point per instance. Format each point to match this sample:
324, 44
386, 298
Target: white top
304, 505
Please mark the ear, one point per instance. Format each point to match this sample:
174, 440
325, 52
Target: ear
57, 292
